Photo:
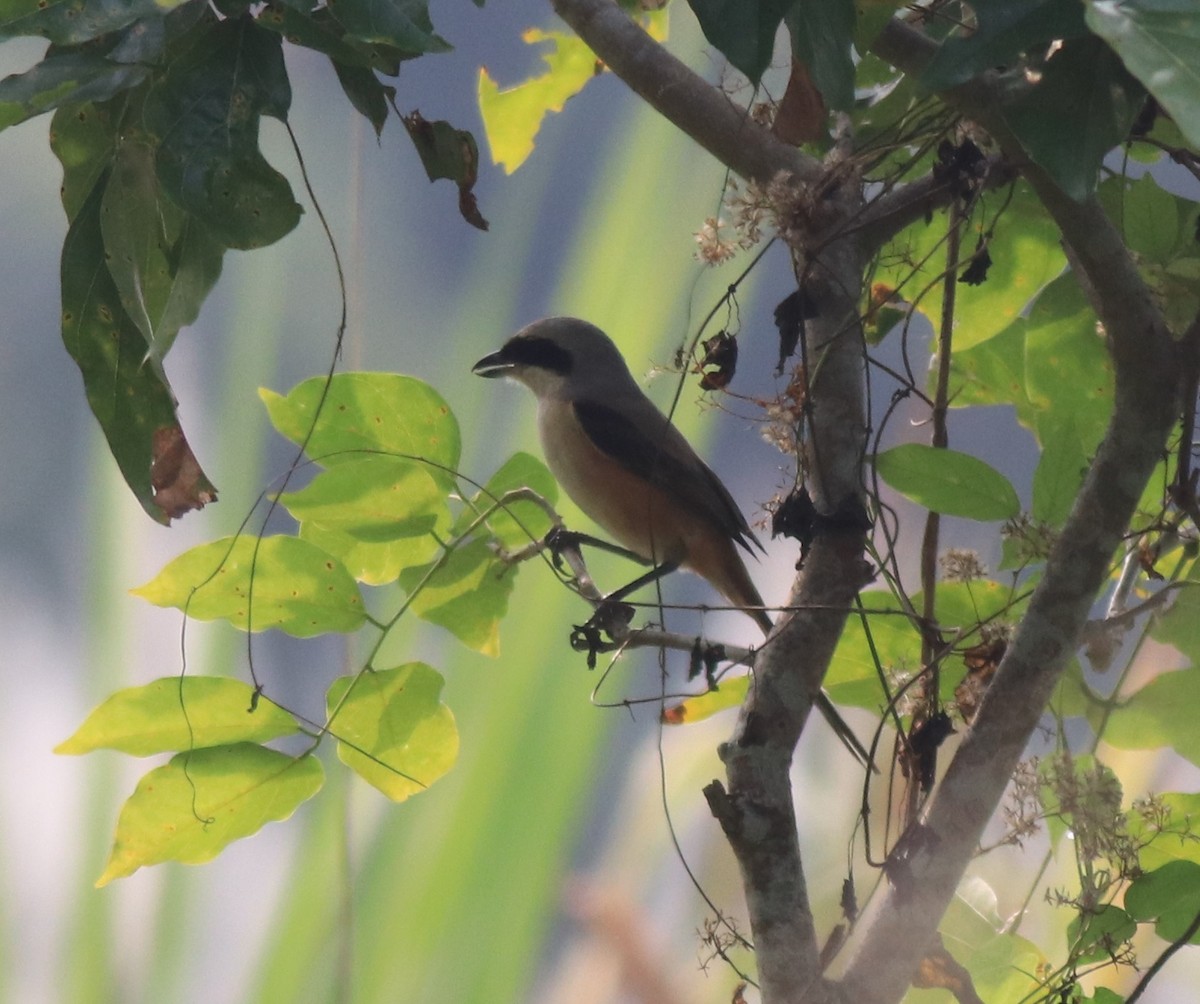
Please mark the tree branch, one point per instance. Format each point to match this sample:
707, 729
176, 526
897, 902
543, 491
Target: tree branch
902, 926
681, 96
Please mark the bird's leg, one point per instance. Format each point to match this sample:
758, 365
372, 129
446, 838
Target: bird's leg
560, 539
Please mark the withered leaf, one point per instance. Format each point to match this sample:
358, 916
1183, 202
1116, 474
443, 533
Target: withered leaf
175, 475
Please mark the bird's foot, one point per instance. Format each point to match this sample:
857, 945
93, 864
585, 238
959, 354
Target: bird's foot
612, 618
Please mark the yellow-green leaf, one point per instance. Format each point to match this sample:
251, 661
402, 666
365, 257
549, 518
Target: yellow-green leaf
467, 596
393, 729
190, 809
729, 694
298, 588
521, 521
513, 116
179, 713
367, 413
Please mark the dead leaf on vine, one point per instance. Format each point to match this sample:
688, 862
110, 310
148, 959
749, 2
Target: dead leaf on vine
175, 475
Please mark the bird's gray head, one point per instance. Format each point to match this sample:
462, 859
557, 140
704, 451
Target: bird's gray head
559, 355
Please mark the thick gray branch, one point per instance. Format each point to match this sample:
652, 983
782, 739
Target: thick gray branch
681, 96
1145, 411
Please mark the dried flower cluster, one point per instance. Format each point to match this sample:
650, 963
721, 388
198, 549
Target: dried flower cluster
960, 564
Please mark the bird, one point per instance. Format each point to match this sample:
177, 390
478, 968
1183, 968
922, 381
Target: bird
630, 470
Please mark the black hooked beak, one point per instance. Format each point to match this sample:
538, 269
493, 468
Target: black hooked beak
494, 365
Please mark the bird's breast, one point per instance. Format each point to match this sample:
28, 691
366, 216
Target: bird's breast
639, 515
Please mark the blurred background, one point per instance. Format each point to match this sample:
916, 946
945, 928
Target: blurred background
544, 867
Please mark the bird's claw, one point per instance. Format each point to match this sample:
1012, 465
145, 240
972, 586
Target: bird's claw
612, 618
559, 539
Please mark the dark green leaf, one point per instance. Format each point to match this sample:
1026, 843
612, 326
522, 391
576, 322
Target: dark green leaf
366, 93
319, 31
131, 401
1006, 28
83, 138
62, 78
742, 30
67, 22
1081, 108
402, 24
205, 112
822, 34
1159, 42
163, 261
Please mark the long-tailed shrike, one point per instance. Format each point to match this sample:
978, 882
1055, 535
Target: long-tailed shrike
629, 468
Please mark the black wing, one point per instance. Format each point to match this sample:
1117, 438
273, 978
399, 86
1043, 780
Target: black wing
656, 450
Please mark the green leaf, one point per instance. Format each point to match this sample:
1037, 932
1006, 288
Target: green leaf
162, 260
368, 96
1081, 108
1179, 625
730, 694
203, 800
1156, 225
179, 713
61, 78
401, 24
1067, 367
468, 595
853, 677
318, 30
513, 116
1026, 255
1098, 935
298, 588
1170, 896
377, 514
949, 482
1006, 28
205, 112
742, 30
369, 413
67, 22
131, 401
375, 563
822, 33
83, 138
1060, 470
1162, 713
521, 521
1159, 42
392, 728
374, 498
993, 372
1178, 841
